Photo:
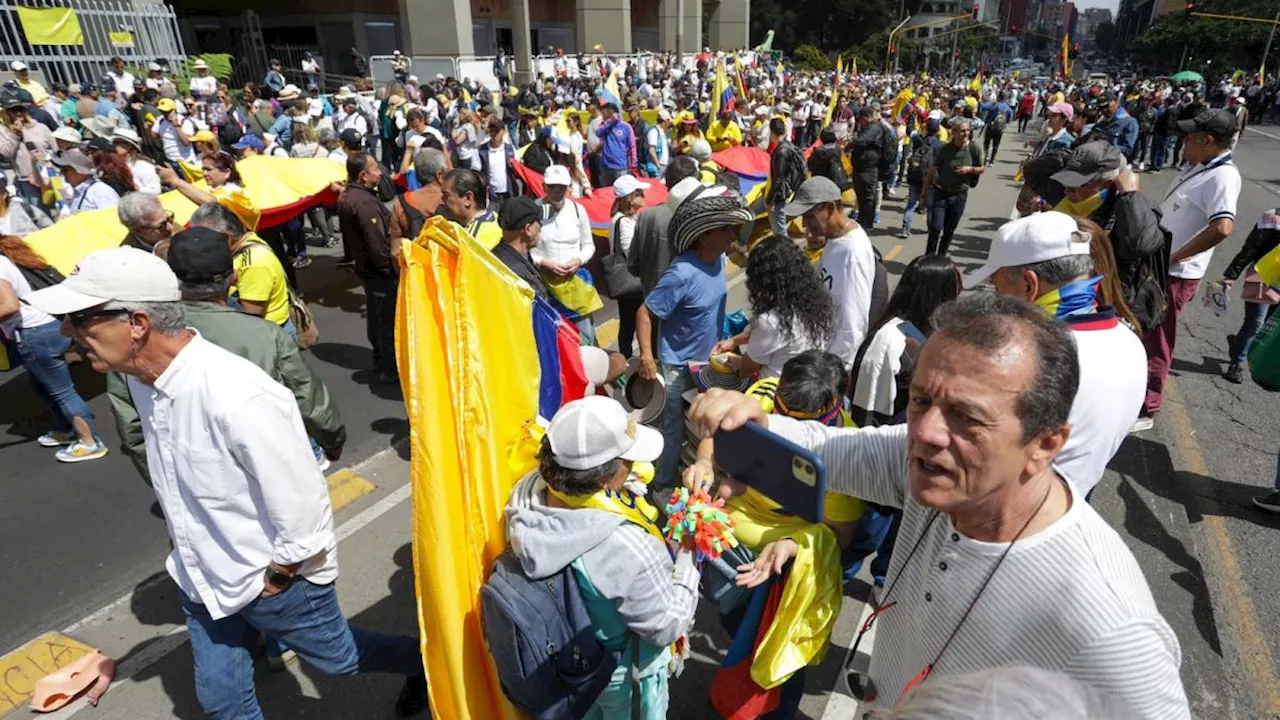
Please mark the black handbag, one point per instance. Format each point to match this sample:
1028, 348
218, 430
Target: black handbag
618, 279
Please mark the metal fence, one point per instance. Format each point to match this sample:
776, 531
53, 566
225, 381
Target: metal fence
479, 68
153, 26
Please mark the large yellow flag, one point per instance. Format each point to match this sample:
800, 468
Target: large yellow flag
470, 371
835, 91
50, 26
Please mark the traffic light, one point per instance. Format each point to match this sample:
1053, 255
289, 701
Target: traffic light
1191, 7
893, 51
1013, 28
1075, 50
974, 15
957, 54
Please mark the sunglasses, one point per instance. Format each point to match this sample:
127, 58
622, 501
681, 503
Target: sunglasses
80, 320
168, 221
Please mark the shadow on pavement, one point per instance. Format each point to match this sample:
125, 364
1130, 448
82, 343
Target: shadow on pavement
27, 416
1207, 366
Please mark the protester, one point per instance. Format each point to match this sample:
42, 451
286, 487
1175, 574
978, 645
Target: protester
465, 200
128, 145
576, 511
617, 146
1264, 238
89, 193
1119, 126
41, 347
827, 159
923, 148
566, 246
261, 287
956, 168
657, 145
848, 265
22, 76
1046, 260
689, 303
996, 115
650, 253
16, 217
628, 201
495, 159
786, 174
886, 358
521, 223
124, 307
968, 497
411, 210
869, 149
176, 133
364, 219
791, 310
1199, 212
220, 174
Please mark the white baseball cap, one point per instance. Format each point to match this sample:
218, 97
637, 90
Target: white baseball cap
682, 190
590, 432
595, 363
627, 184
556, 175
1032, 239
122, 274
17, 66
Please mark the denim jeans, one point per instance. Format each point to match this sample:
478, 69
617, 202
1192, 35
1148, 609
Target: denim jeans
945, 212
778, 222
1255, 316
913, 199
306, 618
41, 349
1159, 151
671, 425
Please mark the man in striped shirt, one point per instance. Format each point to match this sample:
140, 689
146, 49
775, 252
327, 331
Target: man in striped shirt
999, 560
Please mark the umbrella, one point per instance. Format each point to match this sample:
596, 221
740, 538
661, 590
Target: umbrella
1187, 76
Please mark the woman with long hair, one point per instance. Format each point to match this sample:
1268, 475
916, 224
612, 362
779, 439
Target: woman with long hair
219, 172
628, 201
17, 217
884, 363
791, 311
40, 344
1110, 291
114, 171
577, 145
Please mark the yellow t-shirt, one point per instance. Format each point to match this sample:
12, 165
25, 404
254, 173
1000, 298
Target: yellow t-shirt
38, 93
260, 278
723, 138
836, 508
1057, 97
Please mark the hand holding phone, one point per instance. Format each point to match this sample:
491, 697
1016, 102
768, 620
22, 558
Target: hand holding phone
784, 472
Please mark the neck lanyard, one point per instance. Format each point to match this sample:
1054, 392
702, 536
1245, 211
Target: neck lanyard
78, 203
1214, 164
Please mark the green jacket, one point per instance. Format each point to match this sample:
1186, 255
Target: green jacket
258, 341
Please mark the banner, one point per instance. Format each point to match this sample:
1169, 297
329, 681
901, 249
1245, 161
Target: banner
123, 39
50, 26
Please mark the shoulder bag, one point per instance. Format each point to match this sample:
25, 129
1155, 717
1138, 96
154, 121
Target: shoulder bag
618, 280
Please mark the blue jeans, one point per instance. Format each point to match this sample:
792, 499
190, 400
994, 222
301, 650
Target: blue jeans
1255, 316
306, 617
41, 349
1159, 151
778, 222
945, 212
913, 199
671, 425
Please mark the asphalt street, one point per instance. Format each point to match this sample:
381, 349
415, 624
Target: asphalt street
74, 538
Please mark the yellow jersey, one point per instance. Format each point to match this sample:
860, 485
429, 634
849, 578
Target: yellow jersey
723, 136
260, 279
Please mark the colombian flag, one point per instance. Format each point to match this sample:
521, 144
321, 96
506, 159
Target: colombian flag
722, 95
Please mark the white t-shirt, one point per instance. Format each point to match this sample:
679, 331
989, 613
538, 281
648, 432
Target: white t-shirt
847, 270
625, 227
124, 83
769, 347
875, 388
174, 148
354, 121
144, 176
315, 107
497, 168
465, 137
1113, 385
27, 316
1199, 196
203, 87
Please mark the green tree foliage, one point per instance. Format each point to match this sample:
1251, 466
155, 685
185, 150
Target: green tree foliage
1212, 44
1105, 36
810, 58
828, 25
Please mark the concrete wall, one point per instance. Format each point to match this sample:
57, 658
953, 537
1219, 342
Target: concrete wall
730, 25
436, 27
604, 22
692, 30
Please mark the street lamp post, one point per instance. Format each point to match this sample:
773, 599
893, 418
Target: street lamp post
888, 51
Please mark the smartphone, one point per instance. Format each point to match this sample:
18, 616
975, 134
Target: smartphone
784, 472
909, 329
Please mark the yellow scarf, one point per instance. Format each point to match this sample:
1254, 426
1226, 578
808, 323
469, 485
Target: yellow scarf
623, 503
1084, 208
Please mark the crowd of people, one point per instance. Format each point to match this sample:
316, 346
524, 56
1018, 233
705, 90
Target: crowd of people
954, 425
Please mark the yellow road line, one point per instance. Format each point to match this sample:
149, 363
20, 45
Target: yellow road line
893, 253
20, 669
607, 333
345, 487
1255, 653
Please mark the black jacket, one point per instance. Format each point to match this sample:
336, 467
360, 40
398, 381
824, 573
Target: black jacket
786, 171
868, 149
1141, 247
365, 223
1264, 238
537, 158
825, 161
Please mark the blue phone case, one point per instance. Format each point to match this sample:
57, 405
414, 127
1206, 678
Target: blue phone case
776, 467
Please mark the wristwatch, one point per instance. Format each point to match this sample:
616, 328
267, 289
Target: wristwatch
278, 579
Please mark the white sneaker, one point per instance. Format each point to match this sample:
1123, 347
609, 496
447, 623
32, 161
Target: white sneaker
54, 439
1142, 424
79, 452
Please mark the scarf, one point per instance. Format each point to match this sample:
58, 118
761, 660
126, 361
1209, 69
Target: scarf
1087, 207
623, 503
1074, 298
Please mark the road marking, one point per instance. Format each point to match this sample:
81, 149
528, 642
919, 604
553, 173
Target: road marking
1264, 132
607, 333
893, 253
1255, 653
345, 487
20, 669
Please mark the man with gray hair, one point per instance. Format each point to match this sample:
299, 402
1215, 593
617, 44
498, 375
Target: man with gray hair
148, 223
247, 508
974, 472
954, 170
1044, 258
410, 211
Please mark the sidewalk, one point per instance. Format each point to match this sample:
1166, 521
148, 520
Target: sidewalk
375, 586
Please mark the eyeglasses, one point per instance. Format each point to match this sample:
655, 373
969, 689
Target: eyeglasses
168, 221
80, 320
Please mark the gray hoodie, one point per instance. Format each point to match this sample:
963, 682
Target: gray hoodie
655, 596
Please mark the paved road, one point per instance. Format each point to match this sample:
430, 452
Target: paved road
1179, 495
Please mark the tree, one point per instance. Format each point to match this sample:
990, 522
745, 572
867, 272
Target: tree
826, 24
1104, 37
810, 58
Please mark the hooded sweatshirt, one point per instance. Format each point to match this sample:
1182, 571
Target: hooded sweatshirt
655, 596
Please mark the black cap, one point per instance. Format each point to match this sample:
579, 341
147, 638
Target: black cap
101, 144
352, 138
1216, 122
199, 254
1091, 161
518, 212
9, 100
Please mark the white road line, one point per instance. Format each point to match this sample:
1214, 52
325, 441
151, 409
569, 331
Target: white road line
1263, 132
176, 637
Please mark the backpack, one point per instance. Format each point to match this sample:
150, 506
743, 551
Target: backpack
46, 276
641, 131
977, 162
1000, 121
550, 663
919, 159
888, 152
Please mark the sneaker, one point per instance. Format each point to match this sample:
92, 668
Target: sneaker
1142, 424
904, 233
1234, 373
1270, 503
300, 262
281, 663
331, 242
876, 219
414, 696
54, 439
893, 192
79, 452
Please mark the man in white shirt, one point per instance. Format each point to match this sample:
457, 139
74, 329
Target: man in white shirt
176, 133
1199, 211
848, 265
495, 162
123, 80
350, 118
658, 145
1044, 258
311, 69
203, 85
999, 560
89, 193
246, 506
